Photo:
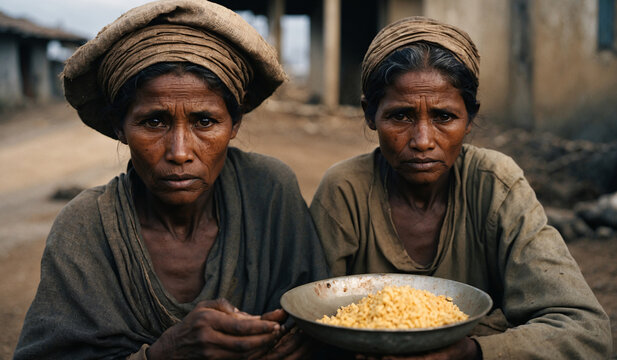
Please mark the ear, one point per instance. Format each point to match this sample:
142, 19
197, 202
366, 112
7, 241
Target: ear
471, 119
235, 127
121, 136
468, 127
369, 121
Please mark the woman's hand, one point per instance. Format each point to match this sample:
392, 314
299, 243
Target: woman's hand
294, 345
466, 349
217, 330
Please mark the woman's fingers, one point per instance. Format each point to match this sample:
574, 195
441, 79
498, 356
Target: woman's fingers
226, 307
244, 344
220, 304
278, 315
293, 346
245, 327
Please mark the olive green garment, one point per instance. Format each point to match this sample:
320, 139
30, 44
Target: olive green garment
494, 236
99, 296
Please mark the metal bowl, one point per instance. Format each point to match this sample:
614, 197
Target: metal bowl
312, 301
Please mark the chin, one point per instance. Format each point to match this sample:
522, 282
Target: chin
421, 179
179, 198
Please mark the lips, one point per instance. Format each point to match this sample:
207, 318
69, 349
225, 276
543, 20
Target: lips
421, 164
179, 181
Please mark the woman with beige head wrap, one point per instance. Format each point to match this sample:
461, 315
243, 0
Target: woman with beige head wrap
426, 203
187, 254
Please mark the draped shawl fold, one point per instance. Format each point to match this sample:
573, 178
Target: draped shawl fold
99, 296
409, 30
194, 31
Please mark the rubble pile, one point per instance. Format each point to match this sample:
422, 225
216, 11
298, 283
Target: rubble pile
575, 180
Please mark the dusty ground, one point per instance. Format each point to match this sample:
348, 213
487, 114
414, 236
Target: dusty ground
44, 148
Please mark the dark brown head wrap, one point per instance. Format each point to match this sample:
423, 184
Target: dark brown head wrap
407, 31
195, 31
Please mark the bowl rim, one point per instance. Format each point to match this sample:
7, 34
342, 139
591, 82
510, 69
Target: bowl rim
409, 330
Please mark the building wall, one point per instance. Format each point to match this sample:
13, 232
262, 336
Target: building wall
487, 23
393, 10
358, 27
315, 79
10, 84
40, 72
575, 85
558, 82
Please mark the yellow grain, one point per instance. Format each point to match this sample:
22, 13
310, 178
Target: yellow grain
397, 307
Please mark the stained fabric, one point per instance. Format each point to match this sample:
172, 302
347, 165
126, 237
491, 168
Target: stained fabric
173, 43
251, 70
494, 237
99, 296
409, 30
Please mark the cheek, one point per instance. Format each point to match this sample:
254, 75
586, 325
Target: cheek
393, 138
212, 144
452, 144
142, 151
212, 149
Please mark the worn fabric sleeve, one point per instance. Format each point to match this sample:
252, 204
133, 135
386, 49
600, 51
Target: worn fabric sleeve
553, 310
333, 215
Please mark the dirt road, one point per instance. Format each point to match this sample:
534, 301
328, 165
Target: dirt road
48, 147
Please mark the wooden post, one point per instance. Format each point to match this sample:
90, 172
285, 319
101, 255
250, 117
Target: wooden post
332, 52
276, 10
316, 76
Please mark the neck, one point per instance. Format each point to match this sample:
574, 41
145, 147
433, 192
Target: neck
180, 221
421, 197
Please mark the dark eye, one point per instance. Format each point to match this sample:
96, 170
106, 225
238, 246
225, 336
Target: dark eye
399, 116
153, 123
204, 122
444, 117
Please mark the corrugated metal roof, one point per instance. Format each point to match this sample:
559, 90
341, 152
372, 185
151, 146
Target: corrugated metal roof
27, 29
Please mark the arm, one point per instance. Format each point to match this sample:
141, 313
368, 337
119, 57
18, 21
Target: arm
78, 310
545, 296
338, 239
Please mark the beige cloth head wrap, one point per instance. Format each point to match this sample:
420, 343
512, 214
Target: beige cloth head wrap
405, 32
173, 43
195, 31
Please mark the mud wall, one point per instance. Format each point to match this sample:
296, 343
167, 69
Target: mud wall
575, 83
487, 23
10, 85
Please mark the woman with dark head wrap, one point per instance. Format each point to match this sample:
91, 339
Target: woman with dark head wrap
425, 203
169, 259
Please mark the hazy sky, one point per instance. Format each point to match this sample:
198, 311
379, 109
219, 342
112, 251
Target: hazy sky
87, 17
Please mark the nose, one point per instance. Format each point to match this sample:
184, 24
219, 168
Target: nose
180, 145
422, 137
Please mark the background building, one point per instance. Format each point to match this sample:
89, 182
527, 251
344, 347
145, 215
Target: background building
27, 71
545, 65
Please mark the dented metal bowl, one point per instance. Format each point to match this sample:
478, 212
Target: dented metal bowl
312, 301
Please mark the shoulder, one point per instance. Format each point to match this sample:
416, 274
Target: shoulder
79, 224
259, 166
355, 173
480, 165
81, 209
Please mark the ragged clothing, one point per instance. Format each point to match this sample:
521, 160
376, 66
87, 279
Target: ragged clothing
494, 236
99, 296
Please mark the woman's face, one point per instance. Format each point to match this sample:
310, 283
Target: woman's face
178, 130
421, 122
